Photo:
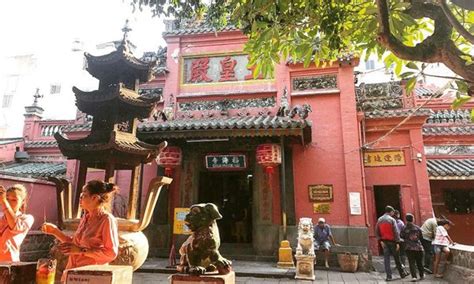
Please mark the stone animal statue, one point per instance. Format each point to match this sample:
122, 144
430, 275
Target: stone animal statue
302, 111
200, 252
305, 237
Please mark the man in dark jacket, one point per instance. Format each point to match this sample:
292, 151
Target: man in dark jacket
412, 235
388, 235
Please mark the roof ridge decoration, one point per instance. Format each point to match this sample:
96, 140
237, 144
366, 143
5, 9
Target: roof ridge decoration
459, 116
193, 26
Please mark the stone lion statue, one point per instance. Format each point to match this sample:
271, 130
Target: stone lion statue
305, 237
200, 252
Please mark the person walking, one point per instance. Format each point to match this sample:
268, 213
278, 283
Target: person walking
96, 238
387, 234
412, 235
14, 224
400, 226
440, 245
428, 229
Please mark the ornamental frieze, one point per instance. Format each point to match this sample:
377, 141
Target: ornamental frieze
379, 96
228, 104
315, 83
217, 69
151, 92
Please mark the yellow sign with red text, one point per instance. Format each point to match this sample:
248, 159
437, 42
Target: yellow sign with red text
384, 158
179, 227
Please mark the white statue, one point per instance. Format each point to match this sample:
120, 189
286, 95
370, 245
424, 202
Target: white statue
305, 237
305, 250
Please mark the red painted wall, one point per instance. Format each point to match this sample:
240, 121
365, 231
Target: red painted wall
463, 230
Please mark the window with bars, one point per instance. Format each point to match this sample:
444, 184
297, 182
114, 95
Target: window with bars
459, 201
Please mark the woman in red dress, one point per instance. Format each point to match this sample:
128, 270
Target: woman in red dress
14, 224
96, 238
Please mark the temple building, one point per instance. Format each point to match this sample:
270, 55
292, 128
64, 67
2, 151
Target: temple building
268, 151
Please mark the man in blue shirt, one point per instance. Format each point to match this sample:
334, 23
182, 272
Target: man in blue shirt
322, 235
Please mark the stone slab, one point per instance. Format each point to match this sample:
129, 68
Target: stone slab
208, 279
100, 274
18, 273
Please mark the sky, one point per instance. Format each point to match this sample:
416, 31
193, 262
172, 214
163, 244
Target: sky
46, 30
40, 26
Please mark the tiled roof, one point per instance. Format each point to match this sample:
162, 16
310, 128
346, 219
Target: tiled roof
201, 29
245, 126
421, 91
34, 169
388, 113
451, 168
77, 127
4, 141
460, 116
245, 122
448, 130
41, 144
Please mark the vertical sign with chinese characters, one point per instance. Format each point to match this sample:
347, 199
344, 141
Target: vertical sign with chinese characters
384, 158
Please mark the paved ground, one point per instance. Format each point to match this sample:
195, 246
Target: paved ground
156, 271
321, 277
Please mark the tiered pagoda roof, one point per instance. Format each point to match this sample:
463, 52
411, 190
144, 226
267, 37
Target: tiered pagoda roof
117, 97
116, 107
122, 148
106, 67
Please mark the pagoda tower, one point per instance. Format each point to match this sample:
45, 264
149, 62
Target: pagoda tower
112, 143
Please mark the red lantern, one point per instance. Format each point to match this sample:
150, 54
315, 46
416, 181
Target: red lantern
169, 158
269, 156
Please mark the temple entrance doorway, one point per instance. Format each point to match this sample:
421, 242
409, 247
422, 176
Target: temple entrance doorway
386, 195
232, 193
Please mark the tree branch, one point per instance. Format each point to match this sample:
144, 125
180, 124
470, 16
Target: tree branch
436, 48
455, 23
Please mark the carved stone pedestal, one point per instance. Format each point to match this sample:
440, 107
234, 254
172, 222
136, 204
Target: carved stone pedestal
208, 278
305, 267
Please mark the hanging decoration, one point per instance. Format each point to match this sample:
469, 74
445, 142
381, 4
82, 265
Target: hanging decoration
269, 156
169, 159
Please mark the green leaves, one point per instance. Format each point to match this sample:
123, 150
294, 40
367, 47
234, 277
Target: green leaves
410, 85
460, 100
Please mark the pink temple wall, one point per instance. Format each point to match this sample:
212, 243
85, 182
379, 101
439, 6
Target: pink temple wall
41, 198
7, 151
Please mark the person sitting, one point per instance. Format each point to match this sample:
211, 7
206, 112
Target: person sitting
14, 224
440, 245
322, 235
96, 238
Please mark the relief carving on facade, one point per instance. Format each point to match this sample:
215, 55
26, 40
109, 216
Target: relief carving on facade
315, 83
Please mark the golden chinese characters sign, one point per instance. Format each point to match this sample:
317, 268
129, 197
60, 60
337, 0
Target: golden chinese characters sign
384, 158
321, 208
320, 192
